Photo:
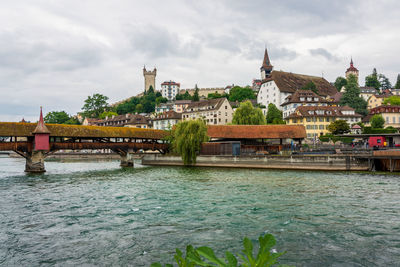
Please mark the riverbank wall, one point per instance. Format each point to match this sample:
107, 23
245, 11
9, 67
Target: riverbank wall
294, 162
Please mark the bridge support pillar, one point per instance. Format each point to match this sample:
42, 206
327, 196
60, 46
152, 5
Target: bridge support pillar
35, 162
126, 160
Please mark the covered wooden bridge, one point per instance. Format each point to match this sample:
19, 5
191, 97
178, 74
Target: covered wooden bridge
35, 141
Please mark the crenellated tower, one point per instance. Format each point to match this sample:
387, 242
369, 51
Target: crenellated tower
149, 78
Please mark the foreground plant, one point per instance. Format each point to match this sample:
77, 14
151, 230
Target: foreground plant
205, 256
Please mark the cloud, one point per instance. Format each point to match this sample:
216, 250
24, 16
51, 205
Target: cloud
157, 41
28, 53
324, 53
56, 53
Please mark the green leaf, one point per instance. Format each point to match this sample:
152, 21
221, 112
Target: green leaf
208, 253
156, 264
232, 261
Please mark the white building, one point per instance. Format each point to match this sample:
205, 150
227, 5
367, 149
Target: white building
276, 86
166, 120
169, 89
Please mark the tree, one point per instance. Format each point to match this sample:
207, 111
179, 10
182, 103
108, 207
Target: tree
351, 96
107, 114
339, 127
393, 100
397, 86
384, 81
216, 95
240, 94
57, 117
372, 80
310, 86
340, 82
377, 121
274, 115
196, 94
246, 114
187, 139
95, 105
73, 121
139, 108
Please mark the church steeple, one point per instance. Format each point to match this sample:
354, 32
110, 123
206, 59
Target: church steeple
266, 67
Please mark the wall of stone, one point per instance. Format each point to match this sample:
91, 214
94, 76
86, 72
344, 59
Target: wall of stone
295, 162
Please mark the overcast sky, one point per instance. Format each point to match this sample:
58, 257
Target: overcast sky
56, 53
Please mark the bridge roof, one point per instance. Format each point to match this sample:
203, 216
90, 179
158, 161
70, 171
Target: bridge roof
18, 129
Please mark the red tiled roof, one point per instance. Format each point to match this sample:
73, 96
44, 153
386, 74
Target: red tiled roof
291, 82
256, 131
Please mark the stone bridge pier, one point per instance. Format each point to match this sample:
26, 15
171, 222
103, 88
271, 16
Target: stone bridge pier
126, 158
35, 162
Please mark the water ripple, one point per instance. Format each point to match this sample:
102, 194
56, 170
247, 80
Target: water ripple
91, 213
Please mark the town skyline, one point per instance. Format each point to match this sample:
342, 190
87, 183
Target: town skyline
56, 55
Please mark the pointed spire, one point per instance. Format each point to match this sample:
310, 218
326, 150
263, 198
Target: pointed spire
41, 127
266, 67
351, 62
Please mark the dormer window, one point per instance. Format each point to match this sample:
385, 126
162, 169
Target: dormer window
302, 98
316, 99
309, 98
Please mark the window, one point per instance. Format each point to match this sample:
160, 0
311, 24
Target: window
394, 119
321, 127
309, 127
308, 119
294, 120
226, 107
321, 119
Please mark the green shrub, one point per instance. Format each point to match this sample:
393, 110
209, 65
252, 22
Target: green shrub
370, 130
205, 256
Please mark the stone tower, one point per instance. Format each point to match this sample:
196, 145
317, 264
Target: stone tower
266, 67
352, 70
149, 79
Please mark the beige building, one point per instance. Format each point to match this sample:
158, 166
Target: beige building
376, 101
317, 119
181, 105
391, 114
214, 111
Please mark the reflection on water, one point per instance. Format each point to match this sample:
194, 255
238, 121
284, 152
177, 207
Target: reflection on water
96, 213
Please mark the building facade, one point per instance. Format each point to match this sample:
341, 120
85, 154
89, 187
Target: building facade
317, 119
169, 89
367, 92
164, 107
149, 79
181, 105
302, 98
166, 120
391, 114
214, 111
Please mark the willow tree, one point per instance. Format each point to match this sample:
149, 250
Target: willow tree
187, 138
246, 114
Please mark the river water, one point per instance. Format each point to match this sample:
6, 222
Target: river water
95, 213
